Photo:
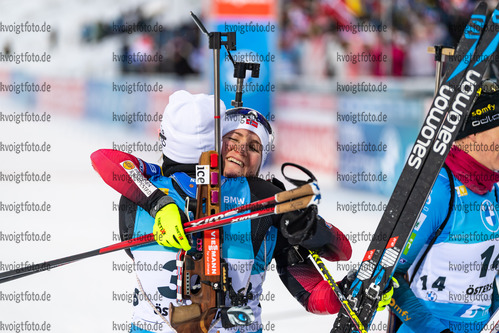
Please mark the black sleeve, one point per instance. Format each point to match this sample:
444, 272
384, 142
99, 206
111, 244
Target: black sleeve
261, 189
127, 213
287, 256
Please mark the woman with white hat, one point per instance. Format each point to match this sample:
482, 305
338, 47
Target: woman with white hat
187, 131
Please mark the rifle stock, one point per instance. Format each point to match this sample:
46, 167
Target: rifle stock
204, 266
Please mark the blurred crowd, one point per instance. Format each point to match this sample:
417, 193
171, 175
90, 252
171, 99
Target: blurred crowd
148, 45
317, 38
389, 38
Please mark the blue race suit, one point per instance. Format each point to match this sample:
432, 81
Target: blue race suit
454, 288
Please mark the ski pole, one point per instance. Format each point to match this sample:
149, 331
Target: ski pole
319, 264
281, 197
301, 197
439, 51
296, 204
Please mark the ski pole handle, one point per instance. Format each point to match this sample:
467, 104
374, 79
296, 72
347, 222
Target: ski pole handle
304, 190
439, 51
297, 204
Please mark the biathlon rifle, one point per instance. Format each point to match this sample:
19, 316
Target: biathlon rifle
204, 275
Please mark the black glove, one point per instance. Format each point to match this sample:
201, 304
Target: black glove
299, 226
345, 284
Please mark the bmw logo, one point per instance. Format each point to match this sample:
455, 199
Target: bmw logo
431, 296
489, 216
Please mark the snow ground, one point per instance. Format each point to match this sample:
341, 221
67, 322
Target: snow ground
82, 219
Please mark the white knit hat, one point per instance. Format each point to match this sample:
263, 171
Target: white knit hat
187, 128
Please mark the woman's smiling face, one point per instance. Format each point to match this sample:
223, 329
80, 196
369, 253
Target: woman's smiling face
241, 153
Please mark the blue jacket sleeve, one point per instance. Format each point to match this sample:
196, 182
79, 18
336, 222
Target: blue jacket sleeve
404, 303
